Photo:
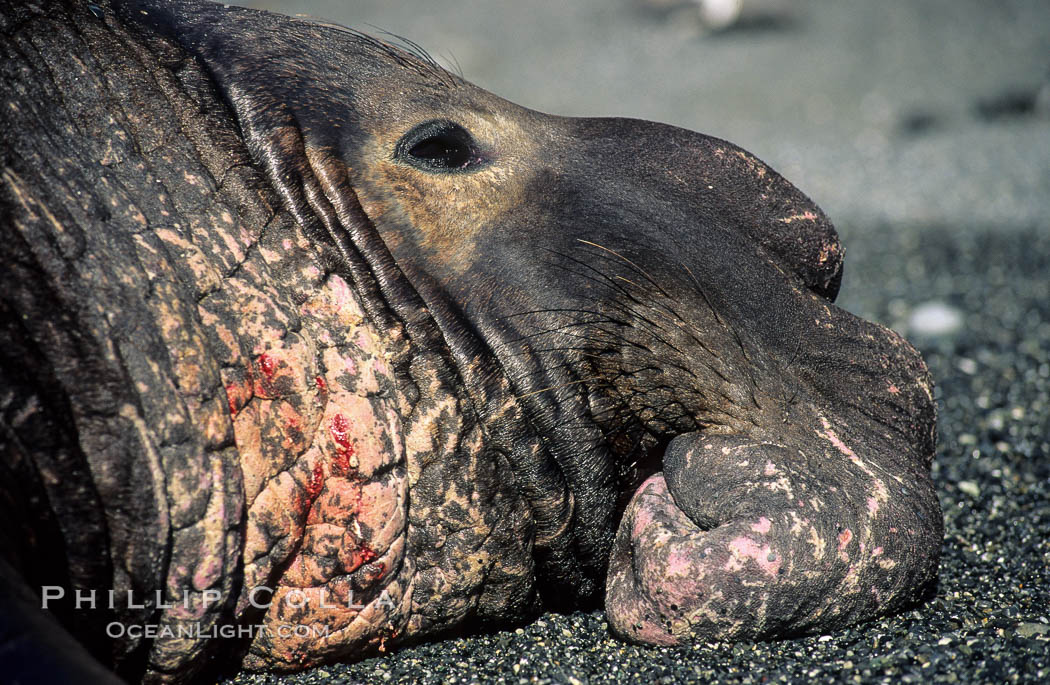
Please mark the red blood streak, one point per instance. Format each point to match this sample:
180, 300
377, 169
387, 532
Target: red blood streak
340, 427
230, 390
367, 553
313, 488
344, 450
267, 365
321, 385
362, 554
341, 461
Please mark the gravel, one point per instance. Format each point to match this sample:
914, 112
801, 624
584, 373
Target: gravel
908, 123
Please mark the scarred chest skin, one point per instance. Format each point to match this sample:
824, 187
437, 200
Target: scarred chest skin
373, 513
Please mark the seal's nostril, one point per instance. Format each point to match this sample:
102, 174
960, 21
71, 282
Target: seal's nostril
643, 459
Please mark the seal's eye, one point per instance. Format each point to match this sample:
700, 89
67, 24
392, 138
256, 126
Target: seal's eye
439, 146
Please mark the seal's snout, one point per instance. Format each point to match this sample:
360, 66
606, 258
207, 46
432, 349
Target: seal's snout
719, 187
787, 224
793, 494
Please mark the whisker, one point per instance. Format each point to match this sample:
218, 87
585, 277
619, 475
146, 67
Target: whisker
625, 259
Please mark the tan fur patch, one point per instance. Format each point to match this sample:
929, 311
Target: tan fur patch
447, 211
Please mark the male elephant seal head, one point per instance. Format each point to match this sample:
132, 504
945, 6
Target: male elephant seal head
639, 317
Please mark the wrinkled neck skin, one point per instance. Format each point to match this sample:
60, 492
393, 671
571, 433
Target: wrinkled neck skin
558, 314
492, 520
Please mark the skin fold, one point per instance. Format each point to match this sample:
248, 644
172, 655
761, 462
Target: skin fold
305, 331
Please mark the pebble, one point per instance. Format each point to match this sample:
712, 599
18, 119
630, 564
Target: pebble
1032, 629
932, 319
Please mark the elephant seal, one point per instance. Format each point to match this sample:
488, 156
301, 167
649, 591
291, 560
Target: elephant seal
313, 349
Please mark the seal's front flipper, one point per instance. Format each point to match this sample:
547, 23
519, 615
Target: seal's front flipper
742, 539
